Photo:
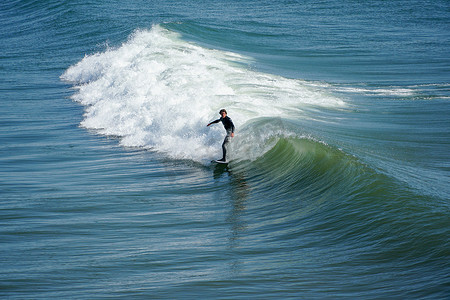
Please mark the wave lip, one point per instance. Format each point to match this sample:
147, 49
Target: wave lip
158, 91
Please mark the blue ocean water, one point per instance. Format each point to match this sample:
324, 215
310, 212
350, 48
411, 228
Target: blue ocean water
338, 185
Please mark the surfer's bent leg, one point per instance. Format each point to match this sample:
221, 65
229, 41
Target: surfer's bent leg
225, 143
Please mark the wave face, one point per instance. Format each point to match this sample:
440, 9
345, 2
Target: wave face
157, 91
338, 185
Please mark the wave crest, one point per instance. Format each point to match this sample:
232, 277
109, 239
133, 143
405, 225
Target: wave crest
158, 91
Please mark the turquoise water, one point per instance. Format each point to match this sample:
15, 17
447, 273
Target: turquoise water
338, 185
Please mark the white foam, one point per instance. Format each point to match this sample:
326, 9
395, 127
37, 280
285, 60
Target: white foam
377, 91
158, 91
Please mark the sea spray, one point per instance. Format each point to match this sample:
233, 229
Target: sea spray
158, 91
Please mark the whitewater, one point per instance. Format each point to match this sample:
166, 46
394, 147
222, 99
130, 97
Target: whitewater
157, 91
338, 184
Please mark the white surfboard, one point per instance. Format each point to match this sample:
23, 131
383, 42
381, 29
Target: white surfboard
220, 162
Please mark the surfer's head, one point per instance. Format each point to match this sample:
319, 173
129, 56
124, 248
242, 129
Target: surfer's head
222, 111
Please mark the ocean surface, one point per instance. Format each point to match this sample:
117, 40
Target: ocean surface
339, 177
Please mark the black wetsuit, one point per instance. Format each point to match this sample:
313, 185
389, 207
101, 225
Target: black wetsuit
229, 127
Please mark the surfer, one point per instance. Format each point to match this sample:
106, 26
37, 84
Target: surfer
229, 127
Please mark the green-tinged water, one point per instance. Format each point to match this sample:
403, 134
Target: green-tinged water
338, 181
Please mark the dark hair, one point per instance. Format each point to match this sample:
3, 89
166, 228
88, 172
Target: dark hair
222, 110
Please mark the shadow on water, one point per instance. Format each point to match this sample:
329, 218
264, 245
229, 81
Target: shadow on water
220, 170
238, 193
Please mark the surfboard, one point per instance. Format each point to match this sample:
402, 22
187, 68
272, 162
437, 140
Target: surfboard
220, 162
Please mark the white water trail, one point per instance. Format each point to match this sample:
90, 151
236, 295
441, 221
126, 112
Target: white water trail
158, 91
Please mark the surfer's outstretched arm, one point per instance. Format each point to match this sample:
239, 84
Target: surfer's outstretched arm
213, 122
